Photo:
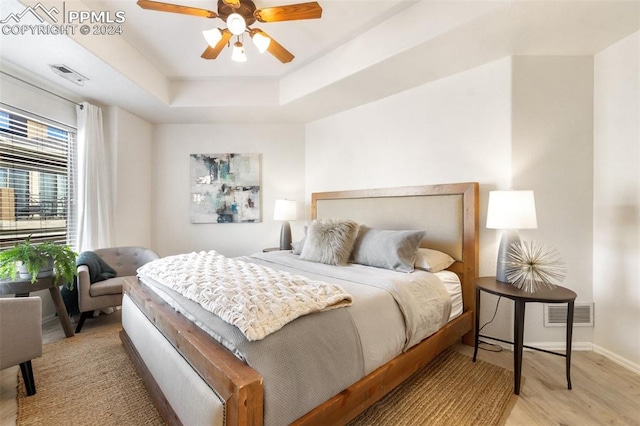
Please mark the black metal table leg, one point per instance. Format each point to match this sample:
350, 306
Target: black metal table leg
475, 347
570, 307
518, 340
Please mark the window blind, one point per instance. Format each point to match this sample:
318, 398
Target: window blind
37, 158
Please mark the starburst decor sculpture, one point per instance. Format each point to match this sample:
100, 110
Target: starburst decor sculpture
532, 266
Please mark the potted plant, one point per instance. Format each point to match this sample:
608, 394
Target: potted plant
35, 261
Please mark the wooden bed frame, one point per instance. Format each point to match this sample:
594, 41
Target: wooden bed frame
241, 387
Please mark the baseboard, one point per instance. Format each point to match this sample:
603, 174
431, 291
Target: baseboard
575, 346
49, 318
548, 346
560, 346
617, 359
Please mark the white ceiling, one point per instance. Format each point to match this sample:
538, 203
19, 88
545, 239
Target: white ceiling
174, 42
359, 51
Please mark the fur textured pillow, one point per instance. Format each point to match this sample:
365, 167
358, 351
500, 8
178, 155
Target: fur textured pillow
329, 241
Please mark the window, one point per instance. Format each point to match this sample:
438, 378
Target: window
35, 179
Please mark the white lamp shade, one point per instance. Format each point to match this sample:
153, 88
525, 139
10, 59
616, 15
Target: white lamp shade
237, 54
511, 210
236, 24
285, 210
261, 42
213, 36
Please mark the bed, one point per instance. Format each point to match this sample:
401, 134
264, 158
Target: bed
195, 378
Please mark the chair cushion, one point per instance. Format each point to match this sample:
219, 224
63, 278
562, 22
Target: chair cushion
126, 260
110, 286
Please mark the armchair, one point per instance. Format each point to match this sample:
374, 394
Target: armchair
21, 336
107, 294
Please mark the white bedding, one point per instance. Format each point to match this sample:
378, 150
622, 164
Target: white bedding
452, 283
385, 319
256, 299
383, 335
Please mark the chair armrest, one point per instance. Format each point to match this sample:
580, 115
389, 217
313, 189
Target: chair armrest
20, 330
83, 282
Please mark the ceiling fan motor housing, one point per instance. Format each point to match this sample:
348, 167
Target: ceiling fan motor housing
245, 9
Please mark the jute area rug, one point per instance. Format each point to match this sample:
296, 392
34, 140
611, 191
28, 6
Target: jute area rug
89, 380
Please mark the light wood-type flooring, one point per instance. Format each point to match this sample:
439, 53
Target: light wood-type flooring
604, 393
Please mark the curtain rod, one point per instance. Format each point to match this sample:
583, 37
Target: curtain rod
44, 90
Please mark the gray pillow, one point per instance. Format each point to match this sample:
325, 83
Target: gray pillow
395, 250
329, 241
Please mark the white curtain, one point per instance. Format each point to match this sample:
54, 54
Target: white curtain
95, 202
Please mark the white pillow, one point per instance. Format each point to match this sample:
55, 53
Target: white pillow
432, 260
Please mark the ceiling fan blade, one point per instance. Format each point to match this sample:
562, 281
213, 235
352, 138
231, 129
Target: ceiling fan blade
176, 8
292, 12
276, 49
213, 52
232, 3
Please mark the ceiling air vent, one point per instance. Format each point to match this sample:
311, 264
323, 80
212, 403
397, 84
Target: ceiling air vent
555, 315
69, 74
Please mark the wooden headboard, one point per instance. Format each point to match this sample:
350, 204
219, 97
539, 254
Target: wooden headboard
448, 212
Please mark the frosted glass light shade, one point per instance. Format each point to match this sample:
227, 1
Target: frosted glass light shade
261, 42
213, 36
237, 54
285, 210
236, 24
511, 210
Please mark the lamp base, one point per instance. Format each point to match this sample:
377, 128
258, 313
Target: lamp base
285, 236
508, 237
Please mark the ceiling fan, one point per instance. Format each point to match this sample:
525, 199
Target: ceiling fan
239, 15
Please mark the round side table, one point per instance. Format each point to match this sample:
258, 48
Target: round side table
520, 298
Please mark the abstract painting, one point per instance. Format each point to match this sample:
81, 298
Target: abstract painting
225, 188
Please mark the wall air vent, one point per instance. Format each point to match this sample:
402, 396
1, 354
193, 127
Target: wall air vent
69, 74
555, 315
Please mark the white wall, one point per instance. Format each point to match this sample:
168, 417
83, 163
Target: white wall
616, 227
472, 127
132, 162
552, 146
282, 161
28, 98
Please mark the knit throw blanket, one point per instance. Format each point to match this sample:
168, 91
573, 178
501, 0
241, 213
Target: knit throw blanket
99, 270
256, 299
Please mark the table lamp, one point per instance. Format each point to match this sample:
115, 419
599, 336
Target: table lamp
510, 211
285, 210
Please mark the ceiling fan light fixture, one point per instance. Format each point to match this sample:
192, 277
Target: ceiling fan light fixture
213, 36
261, 42
237, 54
236, 24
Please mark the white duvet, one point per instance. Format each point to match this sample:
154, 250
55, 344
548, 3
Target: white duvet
258, 300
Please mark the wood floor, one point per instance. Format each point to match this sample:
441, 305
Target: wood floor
604, 393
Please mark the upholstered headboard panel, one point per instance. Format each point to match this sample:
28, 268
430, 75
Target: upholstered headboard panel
439, 215
448, 212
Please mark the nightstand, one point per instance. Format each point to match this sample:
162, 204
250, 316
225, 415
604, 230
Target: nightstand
266, 250
520, 298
